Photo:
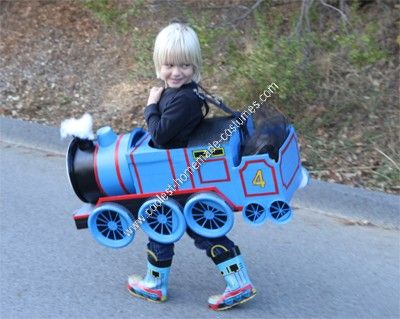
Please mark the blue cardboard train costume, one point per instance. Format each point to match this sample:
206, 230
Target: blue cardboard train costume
229, 164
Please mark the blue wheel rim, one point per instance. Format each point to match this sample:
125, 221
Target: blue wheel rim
254, 214
108, 224
161, 222
280, 212
165, 224
208, 215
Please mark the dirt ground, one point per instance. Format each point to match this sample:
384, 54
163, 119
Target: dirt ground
58, 61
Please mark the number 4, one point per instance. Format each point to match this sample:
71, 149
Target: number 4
258, 180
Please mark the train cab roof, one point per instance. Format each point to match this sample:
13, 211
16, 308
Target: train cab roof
213, 130
210, 130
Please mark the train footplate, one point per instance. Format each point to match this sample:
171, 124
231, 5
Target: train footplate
81, 215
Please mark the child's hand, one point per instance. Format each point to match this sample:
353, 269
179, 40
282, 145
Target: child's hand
155, 94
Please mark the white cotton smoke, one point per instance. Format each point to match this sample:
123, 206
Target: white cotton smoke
81, 128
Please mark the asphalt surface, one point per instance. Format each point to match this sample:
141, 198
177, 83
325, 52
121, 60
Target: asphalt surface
325, 263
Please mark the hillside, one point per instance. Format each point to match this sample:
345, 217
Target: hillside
339, 77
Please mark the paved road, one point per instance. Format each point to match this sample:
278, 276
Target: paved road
316, 266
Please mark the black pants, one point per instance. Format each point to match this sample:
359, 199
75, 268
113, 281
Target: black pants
212, 246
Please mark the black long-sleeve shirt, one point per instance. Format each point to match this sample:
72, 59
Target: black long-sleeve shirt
171, 121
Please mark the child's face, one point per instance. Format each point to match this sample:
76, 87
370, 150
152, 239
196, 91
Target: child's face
176, 75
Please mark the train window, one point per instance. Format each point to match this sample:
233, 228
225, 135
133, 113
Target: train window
217, 152
197, 154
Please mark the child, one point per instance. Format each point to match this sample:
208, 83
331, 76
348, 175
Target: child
172, 113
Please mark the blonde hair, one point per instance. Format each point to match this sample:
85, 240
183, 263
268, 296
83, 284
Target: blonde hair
178, 44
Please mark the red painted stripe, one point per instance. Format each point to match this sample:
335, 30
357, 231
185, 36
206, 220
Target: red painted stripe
228, 177
188, 165
96, 173
148, 290
116, 161
246, 194
172, 169
134, 164
298, 164
230, 294
177, 192
242, 180
78, 217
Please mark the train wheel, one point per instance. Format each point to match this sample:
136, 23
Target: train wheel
280, 211
208, 215
108, 224
163, 223
254, 214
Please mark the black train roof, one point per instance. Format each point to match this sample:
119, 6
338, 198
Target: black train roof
209, 130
